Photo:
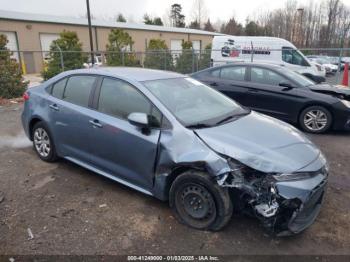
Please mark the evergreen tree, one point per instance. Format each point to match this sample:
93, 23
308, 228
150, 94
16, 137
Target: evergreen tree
253, 29
208, 26
117, 49
121, 18
232, 28
149, 21
158, 55
11, 80
68, 41
184, 63
177, 18
194, 25
205, 56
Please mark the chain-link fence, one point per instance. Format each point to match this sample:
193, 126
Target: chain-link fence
184, 61
48, 64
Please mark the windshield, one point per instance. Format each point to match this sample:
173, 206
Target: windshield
194, 103
300, 79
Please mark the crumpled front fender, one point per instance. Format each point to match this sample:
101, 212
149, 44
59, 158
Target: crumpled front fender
184, 149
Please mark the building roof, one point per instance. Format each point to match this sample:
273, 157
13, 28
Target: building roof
31, 17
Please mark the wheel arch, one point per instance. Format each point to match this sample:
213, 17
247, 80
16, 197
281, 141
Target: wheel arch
163, 182
32, 122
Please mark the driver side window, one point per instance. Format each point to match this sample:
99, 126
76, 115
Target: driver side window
292, 56
266, 77
118, 98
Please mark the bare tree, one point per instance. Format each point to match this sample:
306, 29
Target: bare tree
199, 12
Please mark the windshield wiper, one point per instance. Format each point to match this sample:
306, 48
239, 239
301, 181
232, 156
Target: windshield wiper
198, 125
231, 117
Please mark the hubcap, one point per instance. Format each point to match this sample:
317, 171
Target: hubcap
315, 120
42, 142
198, 202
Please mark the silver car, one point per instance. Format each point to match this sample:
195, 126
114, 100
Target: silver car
172, 137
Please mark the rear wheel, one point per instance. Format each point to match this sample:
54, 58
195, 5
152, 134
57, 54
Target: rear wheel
43, 143
199, 202
315, 119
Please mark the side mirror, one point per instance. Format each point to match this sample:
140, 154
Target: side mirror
139, 119
286, 84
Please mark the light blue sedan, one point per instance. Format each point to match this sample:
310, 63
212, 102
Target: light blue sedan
170, 136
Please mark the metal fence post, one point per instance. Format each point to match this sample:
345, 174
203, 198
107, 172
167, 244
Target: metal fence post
165, 59
123, 58
192, 60
61, 57
339, 64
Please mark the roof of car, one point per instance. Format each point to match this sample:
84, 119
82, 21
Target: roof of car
267, 65
133, 73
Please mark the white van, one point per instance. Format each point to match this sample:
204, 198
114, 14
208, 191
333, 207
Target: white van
229, 49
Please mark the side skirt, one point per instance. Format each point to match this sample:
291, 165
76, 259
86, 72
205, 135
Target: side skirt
102, 173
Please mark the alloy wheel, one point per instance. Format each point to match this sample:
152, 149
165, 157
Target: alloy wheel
315, 120
42, 142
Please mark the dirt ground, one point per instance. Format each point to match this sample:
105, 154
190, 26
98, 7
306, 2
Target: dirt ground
61, 208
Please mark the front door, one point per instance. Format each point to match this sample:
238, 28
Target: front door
119, 148
267, 96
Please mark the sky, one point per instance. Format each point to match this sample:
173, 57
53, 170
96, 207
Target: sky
134, 10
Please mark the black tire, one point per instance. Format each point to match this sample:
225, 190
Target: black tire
51, 154
304, 117
214, 206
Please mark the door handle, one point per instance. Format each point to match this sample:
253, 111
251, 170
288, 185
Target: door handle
213, 84
95, 123
251, 90
54, 107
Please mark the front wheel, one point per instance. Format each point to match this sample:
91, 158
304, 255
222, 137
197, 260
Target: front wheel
315, 119
199, 202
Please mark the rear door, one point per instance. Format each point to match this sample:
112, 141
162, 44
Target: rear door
230, 80
119, 148
70, 114
267, 96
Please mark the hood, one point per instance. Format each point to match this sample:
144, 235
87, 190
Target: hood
262, 143
327, 88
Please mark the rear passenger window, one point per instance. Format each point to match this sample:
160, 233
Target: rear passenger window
78, 90
119, 98
58, 88
236, 73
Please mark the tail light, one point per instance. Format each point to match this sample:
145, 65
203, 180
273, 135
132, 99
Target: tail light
25, 96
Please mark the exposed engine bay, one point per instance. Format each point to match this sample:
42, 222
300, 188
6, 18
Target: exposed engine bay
263, 196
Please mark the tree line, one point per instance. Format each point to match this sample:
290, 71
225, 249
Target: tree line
311, 24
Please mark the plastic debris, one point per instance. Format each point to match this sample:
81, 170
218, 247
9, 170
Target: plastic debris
30, 234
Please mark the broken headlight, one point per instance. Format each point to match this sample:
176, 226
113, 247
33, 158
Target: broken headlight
293, 176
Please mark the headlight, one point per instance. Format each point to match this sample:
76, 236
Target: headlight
294, 176
345, 103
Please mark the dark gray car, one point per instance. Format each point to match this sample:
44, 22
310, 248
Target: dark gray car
172, 137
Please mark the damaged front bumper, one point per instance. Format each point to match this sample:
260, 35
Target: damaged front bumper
300, 203
285, 206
